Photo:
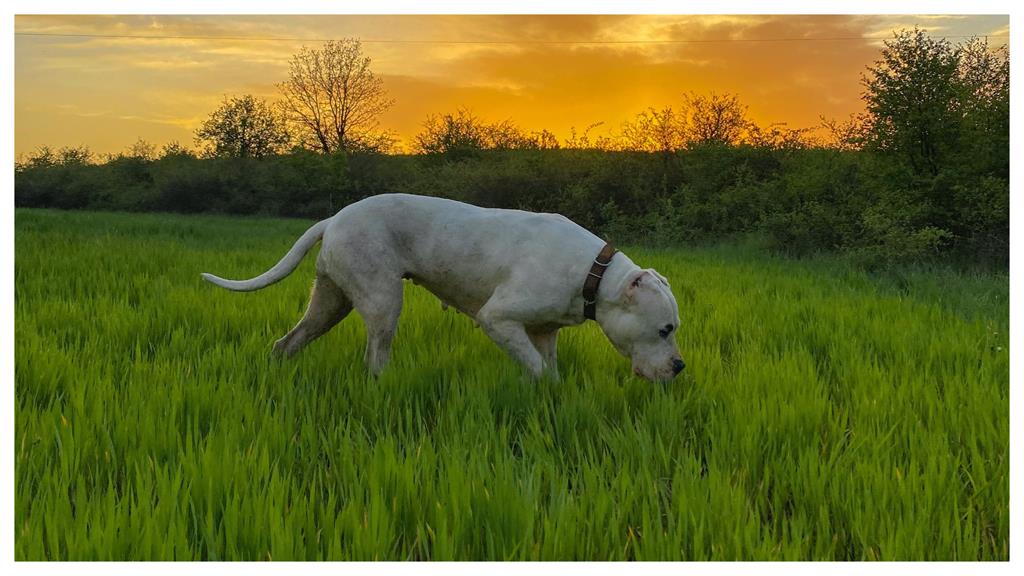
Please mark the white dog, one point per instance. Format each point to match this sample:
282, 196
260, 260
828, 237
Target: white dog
521, 275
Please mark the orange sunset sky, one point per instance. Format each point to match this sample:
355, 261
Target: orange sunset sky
553, 72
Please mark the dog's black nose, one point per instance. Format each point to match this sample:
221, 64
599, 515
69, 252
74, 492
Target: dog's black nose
678, 365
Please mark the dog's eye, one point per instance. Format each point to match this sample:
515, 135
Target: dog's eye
664, 332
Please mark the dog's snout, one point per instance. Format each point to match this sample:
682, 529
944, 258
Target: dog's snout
678, 365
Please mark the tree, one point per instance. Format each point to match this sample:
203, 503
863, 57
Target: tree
333, 99
174, 149
243, 127
505, 135
141, 150
931, 104
937, 119
912, 100
844, 135
581, 141
42, 157
984, 91
713, 119
655, 131
46, 157
544, 140
454, 135
461, 134
778, 136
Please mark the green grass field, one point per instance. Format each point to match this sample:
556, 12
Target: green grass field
824, 414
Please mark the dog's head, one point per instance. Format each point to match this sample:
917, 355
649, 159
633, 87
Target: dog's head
641, 323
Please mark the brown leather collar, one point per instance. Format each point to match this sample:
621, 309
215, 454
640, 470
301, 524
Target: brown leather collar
593, 280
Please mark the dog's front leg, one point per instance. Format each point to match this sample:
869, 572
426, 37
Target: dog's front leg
512, 336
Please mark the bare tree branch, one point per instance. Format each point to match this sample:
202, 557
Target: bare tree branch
333, 98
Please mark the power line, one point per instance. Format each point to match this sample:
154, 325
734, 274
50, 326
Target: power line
488, 42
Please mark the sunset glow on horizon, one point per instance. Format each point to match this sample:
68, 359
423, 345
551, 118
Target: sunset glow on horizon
106, 81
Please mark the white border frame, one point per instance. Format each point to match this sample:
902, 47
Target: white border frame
501, 7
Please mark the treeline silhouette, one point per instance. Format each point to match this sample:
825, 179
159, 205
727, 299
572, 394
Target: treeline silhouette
922, 174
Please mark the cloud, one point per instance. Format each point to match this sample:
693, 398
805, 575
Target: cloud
550, 72
795, 81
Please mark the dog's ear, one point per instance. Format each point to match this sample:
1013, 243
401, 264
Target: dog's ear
634, 282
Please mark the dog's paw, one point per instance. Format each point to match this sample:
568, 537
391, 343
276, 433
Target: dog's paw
280, 349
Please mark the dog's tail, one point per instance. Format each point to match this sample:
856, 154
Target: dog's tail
283, 268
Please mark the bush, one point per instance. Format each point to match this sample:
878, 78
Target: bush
801, 200
983, 220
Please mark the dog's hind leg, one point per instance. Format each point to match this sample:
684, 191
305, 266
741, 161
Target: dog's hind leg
327, 306
380, 309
